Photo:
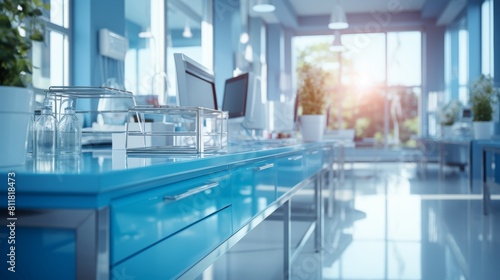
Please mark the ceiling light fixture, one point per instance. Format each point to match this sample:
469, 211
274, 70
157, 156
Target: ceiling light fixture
338, 19
263, 6
145, 34
187, 31
337, 43
244, 38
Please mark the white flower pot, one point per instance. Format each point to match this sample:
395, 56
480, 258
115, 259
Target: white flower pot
313, 127
16, 109
483, 130
447, 131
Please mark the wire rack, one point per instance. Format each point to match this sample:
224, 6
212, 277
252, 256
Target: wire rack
186, 130
111, 113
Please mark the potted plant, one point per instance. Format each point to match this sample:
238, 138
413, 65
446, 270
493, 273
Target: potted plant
311, 98
484, 95
447, 117
20, 24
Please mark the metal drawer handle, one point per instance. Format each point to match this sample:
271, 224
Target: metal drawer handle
295, 158
191, 192
264, 167
313, 152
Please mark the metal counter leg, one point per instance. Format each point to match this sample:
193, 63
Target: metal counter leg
319, 212
287, 257
486, 191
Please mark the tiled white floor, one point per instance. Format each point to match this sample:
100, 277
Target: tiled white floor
391, 221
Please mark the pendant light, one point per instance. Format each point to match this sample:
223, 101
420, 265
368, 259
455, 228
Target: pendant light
187, 31
263, 6
337, 43
338, 19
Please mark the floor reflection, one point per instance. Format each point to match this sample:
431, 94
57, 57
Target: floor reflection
410, 232
391, 221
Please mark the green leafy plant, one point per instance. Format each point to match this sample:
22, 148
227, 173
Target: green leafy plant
484, 95
20, 24
312, 89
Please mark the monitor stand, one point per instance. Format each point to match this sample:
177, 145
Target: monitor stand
237, 132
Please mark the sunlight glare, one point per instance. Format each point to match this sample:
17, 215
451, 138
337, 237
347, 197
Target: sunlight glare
364, 82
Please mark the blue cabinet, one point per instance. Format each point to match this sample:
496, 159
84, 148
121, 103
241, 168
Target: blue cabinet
476, 162
151, 222
141, 220
169, 258
313, 161
253, 189
289, 172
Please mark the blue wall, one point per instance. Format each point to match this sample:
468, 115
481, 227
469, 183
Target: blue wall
134, 42
226, 20
88, 18
433, 63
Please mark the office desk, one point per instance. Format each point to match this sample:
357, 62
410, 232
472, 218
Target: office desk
106, 214
476, 158
446, 151
490, 177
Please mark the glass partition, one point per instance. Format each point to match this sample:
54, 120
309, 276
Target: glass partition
157, 29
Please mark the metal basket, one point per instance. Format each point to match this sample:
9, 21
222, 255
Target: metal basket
176, 130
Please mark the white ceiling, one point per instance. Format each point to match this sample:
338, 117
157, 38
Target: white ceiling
138, 11
311, 16
322, 7
181, 10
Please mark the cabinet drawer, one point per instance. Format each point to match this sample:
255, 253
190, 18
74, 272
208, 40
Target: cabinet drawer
174, 255
290, 172
253, 188
314, 161
327, 156
140, 220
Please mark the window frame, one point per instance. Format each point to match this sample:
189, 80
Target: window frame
67, 32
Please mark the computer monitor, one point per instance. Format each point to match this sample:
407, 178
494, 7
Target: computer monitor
257, 115
466, 114
235, 97
195, 83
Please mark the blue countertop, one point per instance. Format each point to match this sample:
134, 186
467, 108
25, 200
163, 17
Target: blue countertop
100, 174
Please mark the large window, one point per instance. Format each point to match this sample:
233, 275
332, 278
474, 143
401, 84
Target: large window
456, 71
463, 62
456, 62
404, 58
51, 58
487, 37
364, 67
375, 86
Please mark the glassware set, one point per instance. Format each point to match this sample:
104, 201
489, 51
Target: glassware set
55, 131
51, 137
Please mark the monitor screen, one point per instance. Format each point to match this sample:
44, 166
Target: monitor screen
466, 113
200, 92
235, 96
256, 116
195, 83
